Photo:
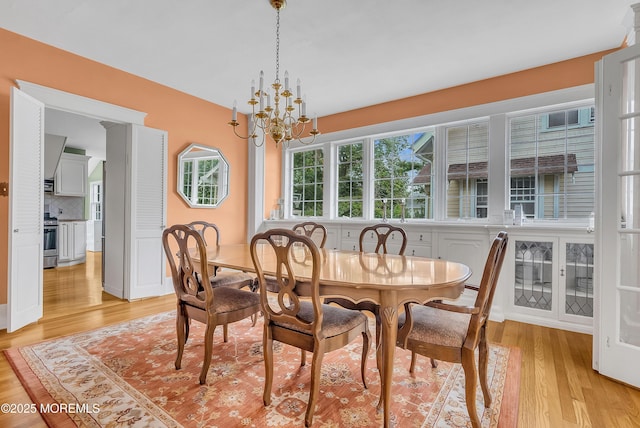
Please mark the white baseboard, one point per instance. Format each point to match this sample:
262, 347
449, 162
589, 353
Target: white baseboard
551, 323
3, 317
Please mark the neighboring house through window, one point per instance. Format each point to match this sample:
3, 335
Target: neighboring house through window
467, 149
552, 163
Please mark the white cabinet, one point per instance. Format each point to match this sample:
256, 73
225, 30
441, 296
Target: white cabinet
470, 248
72, 242
71, 175
418, 240
576, 281
551, 280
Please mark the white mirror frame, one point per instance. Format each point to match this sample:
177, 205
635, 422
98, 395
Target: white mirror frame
223, 179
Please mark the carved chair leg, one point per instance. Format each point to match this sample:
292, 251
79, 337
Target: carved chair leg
316, 365
470, 384
180, 330
267, 350
412, 366
434, 363
225, 333
303, 358
208, 348
482, 363
366, 338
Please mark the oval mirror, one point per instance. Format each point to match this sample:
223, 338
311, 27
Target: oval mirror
203, 176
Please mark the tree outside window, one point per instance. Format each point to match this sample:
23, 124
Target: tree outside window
307, 183
350, 180
402, 175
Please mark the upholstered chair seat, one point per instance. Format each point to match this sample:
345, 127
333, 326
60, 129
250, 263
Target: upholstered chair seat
336, 321
437, 326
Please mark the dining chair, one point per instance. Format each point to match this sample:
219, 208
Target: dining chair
221, 277
302, 321
380, 235
208, 305
452, 333
315, 231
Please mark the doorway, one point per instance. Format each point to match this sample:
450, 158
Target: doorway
72, 287
25, 286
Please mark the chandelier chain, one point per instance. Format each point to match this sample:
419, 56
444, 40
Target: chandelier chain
278, 46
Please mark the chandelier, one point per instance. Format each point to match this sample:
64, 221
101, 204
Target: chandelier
275, 112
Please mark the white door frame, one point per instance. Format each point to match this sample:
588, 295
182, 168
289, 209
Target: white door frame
60, 100
614, 355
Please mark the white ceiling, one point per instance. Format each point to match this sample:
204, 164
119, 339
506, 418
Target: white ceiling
348, 53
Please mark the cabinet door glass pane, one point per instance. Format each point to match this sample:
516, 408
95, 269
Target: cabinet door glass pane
579, 280
533, 274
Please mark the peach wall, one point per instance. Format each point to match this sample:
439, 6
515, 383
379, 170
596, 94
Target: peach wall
186, 118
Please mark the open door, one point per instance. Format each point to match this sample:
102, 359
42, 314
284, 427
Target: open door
147, 150
617, 339
26, 240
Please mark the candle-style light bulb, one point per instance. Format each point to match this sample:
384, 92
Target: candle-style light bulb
315, 121
253, 89
261, 80
234, 112
298, 91
286, 80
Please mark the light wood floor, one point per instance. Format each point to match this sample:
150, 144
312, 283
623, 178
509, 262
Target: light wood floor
558, 387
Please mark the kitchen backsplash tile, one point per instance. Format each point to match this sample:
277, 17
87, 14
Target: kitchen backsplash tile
72, 207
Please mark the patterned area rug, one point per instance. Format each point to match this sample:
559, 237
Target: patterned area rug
124, 375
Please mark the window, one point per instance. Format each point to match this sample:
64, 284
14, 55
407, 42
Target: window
571, 118
551, 157
95, 201
402, 175
307, 183
523, 192
350, 180
467, 170
482, 197
468, 164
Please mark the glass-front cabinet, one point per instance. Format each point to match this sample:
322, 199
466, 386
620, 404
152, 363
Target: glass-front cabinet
576, 279
553, 278
533, 279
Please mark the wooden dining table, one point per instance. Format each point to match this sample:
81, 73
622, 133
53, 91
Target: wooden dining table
385, 279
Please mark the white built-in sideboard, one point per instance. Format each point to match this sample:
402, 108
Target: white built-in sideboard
546, 279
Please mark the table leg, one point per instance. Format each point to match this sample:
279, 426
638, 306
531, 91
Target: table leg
389, 318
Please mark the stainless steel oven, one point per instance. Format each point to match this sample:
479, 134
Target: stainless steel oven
50, 243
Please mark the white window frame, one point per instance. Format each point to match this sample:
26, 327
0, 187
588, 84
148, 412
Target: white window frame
498, 114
